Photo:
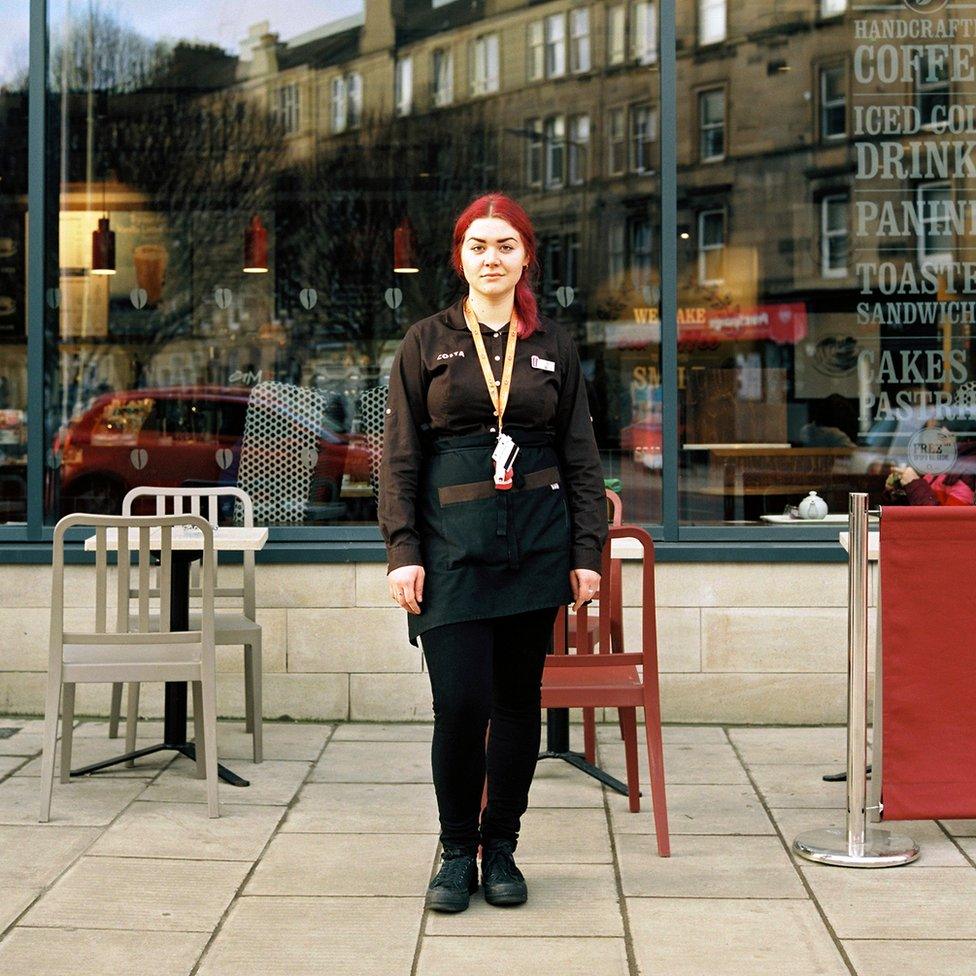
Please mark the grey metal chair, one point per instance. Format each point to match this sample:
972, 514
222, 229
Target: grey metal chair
231, 626
139, 649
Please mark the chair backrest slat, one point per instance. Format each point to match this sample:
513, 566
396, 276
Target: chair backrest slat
122, 579
144, 567
101, 580
165, 576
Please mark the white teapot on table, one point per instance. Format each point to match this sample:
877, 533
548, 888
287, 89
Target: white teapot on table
812, 507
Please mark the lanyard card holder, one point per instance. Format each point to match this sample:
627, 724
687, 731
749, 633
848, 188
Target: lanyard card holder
506, 450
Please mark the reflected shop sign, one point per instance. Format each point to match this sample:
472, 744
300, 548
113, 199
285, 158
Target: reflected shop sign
784, 323
915, 158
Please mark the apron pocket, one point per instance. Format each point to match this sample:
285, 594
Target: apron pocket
541, 519
477, 531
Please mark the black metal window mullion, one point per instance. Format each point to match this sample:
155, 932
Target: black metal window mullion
37, 264
669, 269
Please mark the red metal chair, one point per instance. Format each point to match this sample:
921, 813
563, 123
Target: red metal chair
612, 680
591, 632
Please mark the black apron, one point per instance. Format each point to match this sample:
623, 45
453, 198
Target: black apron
490, 553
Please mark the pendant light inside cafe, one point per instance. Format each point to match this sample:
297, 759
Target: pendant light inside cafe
404, 249
255, 247
103, 243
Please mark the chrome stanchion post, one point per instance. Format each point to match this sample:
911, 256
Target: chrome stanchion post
857, 845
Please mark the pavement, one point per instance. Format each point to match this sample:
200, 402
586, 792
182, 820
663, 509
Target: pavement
320, 866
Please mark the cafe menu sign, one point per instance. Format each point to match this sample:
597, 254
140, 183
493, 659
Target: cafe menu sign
913, 118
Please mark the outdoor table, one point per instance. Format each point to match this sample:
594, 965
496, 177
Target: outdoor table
187, 546
557, 719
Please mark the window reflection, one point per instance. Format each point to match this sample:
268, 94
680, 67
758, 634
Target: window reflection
279, 211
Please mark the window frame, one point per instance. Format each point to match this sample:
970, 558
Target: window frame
442, 69
578, 149
403, 85
484, 48
617, 17
580, 47
634, 140
616, 143
535, 150
535, 50
825, 105
704, 127
644, 42
556, 60
704, 249
553, 144
827, 233
704, 9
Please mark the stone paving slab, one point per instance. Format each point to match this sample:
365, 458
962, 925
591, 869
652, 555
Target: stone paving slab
721, 867
798, 785
684, 763
13, 901
273, 783
364, 808
564, 900
87, 802
609, 731
960, 828
316, 937
140, 893
937, 849
184, 831
374, 762
708, 937
899, 903
557, 784
34, 856
483, 956
932, 956
10, 764
22, 744
696, 810
379, 732
81, 952
820, 747
358, 864
564, 837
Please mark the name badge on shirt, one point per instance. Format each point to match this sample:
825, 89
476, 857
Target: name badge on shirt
546, 364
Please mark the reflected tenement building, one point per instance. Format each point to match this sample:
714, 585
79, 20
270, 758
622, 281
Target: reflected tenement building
238, 210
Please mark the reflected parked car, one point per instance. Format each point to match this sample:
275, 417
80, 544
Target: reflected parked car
178, 436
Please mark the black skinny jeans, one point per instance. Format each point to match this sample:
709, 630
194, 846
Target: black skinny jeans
483, 670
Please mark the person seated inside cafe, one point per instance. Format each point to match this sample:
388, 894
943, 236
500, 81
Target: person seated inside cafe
957, 486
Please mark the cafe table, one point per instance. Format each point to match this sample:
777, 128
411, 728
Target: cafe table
187, 546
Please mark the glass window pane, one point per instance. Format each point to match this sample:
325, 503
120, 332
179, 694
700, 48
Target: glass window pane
235, 195
13, 263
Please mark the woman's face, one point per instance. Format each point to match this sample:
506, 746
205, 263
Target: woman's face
492, 257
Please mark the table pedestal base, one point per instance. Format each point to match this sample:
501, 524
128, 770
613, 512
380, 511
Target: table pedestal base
187, 749
557, 747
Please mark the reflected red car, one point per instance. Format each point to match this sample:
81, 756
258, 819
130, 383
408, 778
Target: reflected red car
176, 436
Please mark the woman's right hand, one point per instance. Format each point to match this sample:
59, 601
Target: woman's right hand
407, 587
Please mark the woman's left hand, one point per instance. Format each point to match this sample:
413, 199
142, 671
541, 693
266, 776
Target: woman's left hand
585, 584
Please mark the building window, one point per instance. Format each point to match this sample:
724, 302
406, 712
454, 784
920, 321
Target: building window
555, 136
484, 65
711, 118
403, 84
347, 101
552, 265
935, 243
534, 152
833, 102
711, 247
711, 21
645, 32
643, 131
931, 83
571, 277
617, 34
831, 8
485, 162
833, 236
537, 51
579, 35
285, 108
617, 255
555, 46
616, 141
442, 71
579, 148
641, 266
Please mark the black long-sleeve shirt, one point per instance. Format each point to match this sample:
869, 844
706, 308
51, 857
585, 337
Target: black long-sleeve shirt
437, 386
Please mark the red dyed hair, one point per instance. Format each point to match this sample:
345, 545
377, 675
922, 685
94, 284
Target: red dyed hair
505, 208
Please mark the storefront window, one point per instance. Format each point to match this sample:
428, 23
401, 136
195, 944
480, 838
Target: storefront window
247, 228
13, 263
825, 312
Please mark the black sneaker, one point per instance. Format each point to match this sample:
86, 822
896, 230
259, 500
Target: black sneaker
453, 885
500, 876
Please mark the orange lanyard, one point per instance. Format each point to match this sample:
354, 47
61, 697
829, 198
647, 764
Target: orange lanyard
497, 394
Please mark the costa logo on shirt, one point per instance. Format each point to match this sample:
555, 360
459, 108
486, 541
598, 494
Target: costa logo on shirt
450, 355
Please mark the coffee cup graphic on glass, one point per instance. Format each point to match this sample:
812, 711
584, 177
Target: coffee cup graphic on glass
150, 262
